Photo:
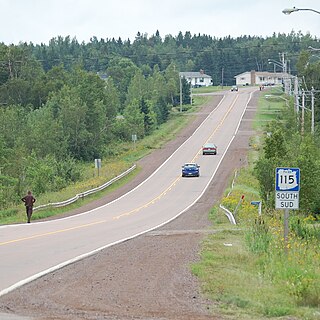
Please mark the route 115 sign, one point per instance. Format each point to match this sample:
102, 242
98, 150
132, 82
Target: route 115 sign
287, 179
287, 188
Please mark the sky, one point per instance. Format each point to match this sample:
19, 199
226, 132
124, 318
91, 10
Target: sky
38, 21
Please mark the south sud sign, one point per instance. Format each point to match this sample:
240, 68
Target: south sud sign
287, 188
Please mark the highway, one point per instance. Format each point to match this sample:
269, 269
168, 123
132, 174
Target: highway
30, 250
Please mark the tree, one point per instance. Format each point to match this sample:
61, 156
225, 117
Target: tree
137, 88
122, 70
134, 120
71, 112
44, 134
274, 151
185, 88
149, 120
308, 160
173, 83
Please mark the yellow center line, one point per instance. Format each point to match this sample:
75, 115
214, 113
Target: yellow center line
218, 126
52, 232
178, 178
131, 211
148, 203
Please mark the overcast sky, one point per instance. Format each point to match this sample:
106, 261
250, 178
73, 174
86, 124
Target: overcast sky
38, 21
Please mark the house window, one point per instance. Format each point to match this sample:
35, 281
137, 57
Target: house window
201, 79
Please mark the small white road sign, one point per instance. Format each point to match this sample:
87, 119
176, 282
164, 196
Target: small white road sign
287, 200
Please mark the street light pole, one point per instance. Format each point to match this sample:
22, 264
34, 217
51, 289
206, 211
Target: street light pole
180, 94
313, 49
288, 11
312, 110
283, 65
302, 112
276, 63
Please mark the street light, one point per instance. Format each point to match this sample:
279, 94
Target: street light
294, 9
283, 65
276, 63
313, 49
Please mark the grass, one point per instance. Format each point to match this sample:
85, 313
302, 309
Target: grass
271, 105
209, 89
245, 270
230, 279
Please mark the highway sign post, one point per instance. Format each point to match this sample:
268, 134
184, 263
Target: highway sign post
97, 165
287, 194
259, 204
134, 139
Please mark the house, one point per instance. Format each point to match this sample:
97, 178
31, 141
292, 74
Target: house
253, 78
197, 79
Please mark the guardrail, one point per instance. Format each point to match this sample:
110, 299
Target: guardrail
85, 193
227, 212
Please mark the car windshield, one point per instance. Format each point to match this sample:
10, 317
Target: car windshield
190, 165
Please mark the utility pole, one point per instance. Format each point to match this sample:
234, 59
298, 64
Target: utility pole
222, 77
302, 112
284, 63
180, 93
312, 110
296, 94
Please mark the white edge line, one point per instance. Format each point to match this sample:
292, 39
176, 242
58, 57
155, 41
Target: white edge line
109, 203
88, 254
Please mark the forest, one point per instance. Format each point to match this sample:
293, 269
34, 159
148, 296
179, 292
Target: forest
67, 103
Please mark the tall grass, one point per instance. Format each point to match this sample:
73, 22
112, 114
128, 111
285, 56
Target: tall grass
249, 271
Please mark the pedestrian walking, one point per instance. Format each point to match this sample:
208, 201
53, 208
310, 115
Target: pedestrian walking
29, 200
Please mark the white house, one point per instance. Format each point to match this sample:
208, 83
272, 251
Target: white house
253, 78
197, 79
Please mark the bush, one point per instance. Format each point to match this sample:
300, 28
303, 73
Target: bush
8, 213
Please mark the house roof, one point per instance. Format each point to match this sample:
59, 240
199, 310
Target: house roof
271, 74
193, 75
265, 74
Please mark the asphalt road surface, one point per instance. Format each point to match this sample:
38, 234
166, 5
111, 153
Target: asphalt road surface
159, 199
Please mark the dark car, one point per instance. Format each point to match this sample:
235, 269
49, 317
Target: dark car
190, 170
209, 148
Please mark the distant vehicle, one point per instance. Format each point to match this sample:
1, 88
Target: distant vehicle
209, 148
190, 170
234, 88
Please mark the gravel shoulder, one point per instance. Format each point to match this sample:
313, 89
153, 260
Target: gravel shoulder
147, 277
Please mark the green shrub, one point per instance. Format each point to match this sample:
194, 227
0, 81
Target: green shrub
8, 213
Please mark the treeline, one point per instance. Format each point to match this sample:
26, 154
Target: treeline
52, 120
218, 57
67, 102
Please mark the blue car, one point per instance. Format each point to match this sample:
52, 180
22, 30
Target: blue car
190, 170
